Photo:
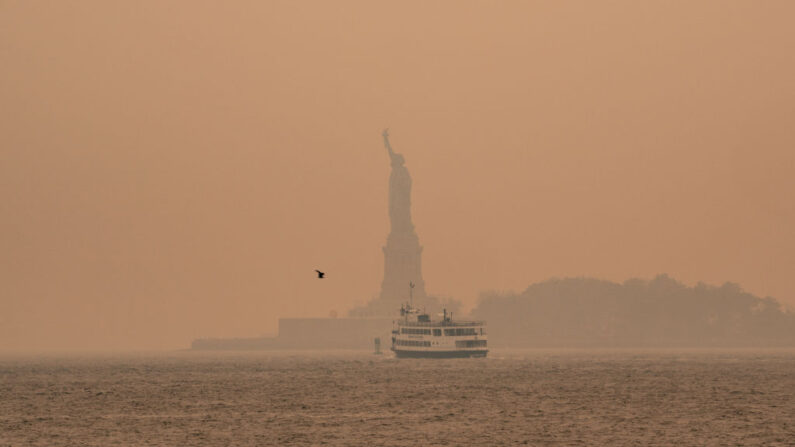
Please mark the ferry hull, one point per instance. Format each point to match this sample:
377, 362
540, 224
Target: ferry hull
440, 354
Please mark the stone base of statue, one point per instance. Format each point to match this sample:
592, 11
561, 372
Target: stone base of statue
402, 267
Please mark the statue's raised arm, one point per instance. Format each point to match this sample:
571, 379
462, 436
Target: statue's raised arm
397, 159
385, 134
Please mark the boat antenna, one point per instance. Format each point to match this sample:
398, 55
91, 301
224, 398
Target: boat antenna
411, 294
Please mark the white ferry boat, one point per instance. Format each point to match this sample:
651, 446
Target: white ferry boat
416, 335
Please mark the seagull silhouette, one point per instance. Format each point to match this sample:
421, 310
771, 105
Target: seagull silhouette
320, 274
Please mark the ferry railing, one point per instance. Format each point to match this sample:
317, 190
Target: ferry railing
440, 323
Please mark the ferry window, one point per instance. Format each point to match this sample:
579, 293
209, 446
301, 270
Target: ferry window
460, 331
437, 332
415, 331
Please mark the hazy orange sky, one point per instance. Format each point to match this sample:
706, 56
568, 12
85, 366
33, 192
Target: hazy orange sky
170, 170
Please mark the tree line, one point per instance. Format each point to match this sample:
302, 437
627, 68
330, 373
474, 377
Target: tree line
662, 312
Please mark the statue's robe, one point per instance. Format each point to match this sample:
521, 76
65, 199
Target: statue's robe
400, 200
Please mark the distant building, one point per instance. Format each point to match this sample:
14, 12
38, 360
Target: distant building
308, 333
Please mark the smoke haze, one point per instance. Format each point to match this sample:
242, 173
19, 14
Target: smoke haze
173, 170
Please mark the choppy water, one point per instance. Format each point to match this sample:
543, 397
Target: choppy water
531, 397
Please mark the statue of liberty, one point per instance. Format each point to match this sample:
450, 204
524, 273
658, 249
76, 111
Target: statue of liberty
402, 252
399, 192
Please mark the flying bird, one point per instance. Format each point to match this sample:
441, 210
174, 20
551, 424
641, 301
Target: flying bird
320, 274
